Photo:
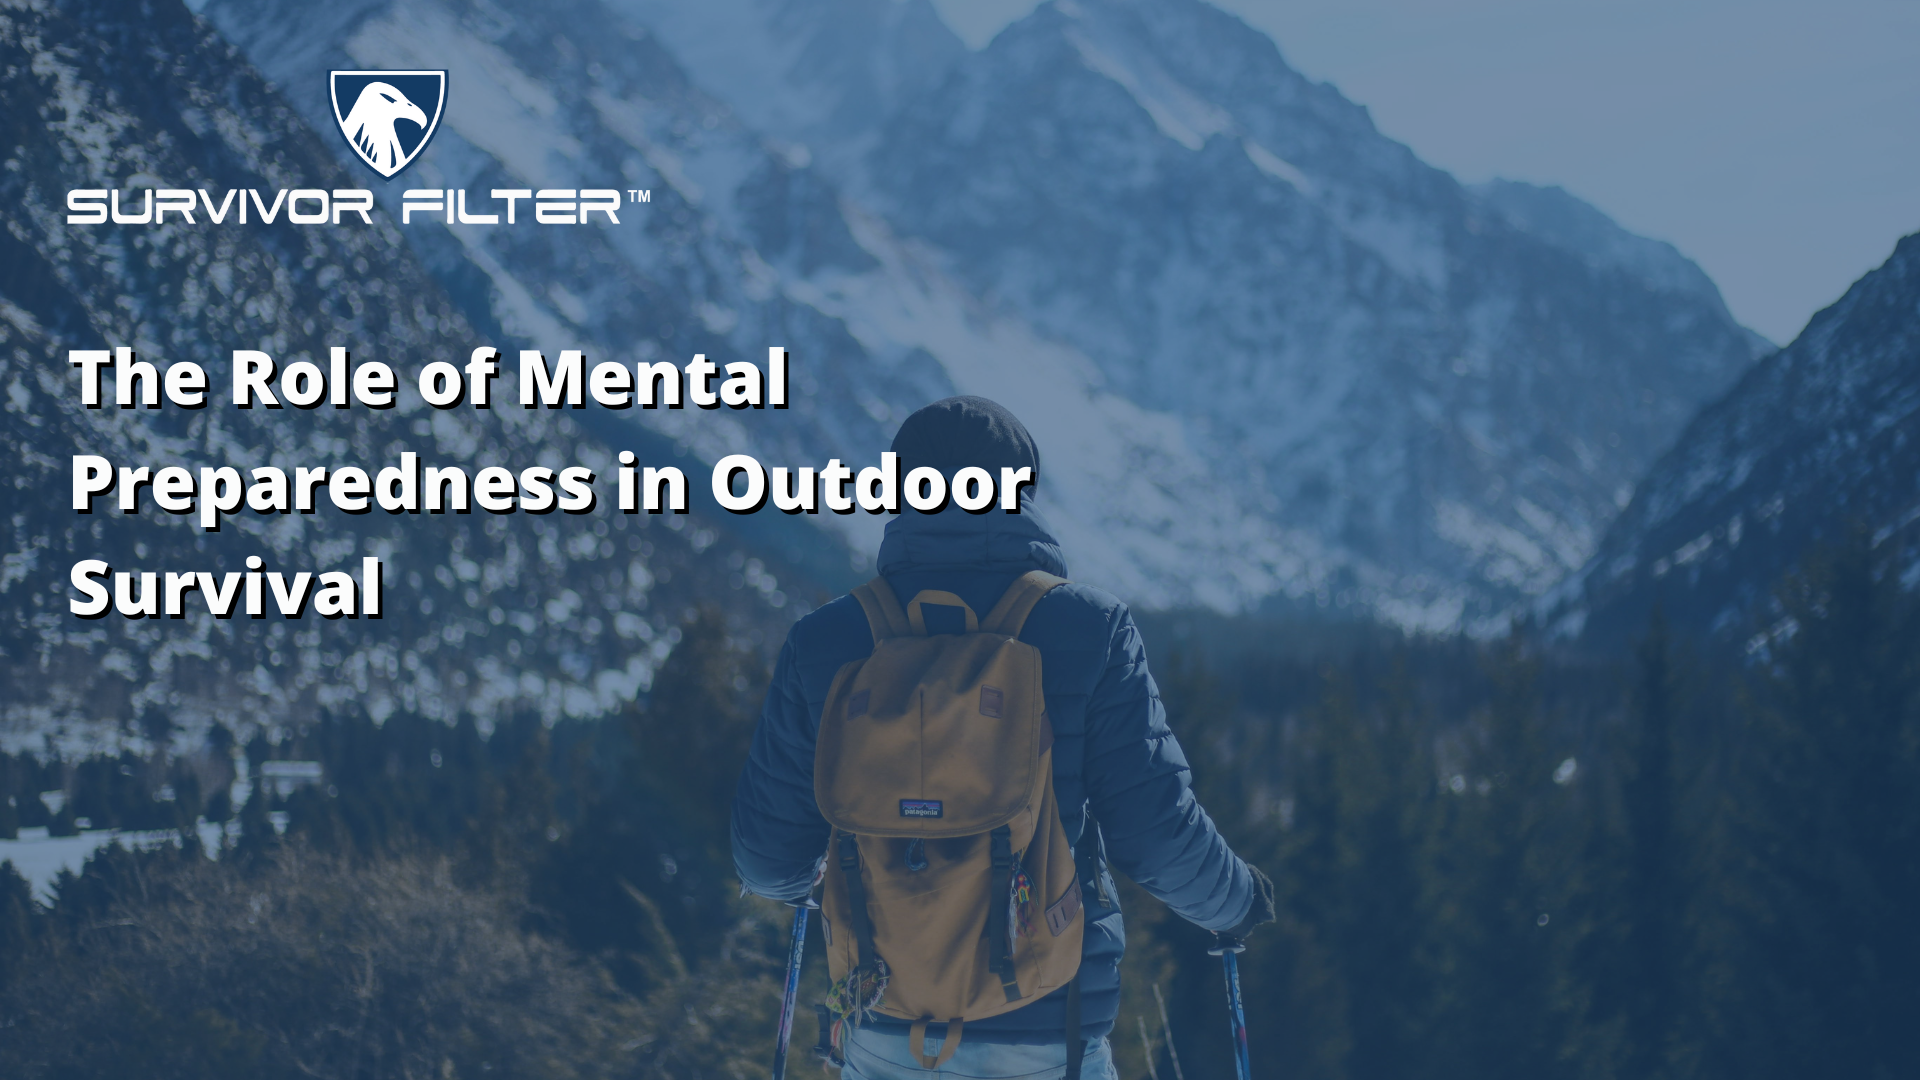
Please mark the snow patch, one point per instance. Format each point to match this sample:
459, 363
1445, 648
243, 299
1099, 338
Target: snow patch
1135, 503
1179, 113
41, 858
1276, 167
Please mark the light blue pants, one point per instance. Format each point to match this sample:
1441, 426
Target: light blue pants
884, 1054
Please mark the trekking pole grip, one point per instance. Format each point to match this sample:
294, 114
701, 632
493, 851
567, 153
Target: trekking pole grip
1226, 943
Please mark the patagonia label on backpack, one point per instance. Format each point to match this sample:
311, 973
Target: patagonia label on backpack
920, 808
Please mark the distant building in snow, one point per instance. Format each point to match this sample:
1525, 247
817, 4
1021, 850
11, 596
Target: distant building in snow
287, 775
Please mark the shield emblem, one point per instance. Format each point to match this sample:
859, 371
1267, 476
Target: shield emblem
388, 116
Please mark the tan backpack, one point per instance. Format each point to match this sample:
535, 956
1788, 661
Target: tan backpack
949, 889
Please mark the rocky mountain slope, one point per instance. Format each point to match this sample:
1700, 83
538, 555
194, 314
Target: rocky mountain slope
1272, 356
1430, 397
821, 76
1821, 438
1453, 392
486, 614
746, 244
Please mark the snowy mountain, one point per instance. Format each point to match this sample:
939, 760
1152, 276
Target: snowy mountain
564, 97
1440, 395
1417, 400
1820, 438
748, 238
484, 614
1552, 215
822, 75
1399, 365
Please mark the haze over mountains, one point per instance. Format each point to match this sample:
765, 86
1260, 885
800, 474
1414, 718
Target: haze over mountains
1272, 357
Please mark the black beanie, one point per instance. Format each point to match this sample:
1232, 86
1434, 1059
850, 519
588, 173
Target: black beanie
956, 432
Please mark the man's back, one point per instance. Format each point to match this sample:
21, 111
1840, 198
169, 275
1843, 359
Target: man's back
1112, 753
1116, 766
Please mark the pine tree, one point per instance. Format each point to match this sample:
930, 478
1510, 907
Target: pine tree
1504, 871
692, 732
1819, 959
11, 791
1358, 874
1389, 789
257, 835
1651, 933
19, 922
644, 876
1226, 777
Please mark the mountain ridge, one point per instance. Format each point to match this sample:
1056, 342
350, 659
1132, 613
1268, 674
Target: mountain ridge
1820, 438
876, 329
1424, 386
1415, 409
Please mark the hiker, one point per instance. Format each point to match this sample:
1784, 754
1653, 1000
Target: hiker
1117, 775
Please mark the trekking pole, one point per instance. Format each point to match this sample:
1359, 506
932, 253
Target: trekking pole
795, 953
1228, 949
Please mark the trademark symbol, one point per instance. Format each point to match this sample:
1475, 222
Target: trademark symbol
639, 195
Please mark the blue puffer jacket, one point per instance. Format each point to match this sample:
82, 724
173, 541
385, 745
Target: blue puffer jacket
1112, 751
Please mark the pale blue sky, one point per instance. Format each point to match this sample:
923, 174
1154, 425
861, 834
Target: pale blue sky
1778, 144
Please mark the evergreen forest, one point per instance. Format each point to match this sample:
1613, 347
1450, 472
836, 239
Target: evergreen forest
1494, 860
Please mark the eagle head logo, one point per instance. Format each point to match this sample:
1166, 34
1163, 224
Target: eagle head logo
388, 116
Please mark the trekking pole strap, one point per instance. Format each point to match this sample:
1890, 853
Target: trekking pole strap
999, 948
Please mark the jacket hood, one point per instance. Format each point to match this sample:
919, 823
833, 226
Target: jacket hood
957, 540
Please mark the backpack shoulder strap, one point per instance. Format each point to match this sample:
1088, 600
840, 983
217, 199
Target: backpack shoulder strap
1010, 614
884, 616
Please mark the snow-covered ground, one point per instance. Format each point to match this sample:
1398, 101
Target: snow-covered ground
40, 857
